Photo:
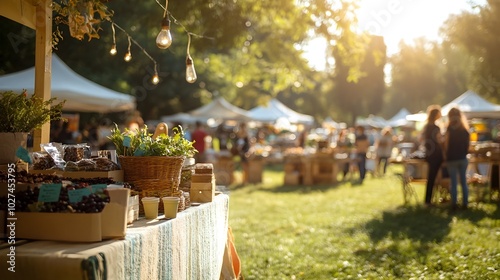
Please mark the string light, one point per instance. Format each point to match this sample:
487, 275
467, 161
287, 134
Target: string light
190, 72
164, 38
155, 80
128, 55
113, 48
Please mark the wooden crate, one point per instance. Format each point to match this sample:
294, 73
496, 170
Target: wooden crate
292, 179
202, 192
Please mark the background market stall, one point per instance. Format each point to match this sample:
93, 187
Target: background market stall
275, 110
81, 95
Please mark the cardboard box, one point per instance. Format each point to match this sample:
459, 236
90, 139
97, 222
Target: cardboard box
116, 175
202, 192
74, 227
77, 227
114, 215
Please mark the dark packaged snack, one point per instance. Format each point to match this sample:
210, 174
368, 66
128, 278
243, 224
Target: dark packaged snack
75, 152
42, 161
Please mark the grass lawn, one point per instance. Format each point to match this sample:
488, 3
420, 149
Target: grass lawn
347, 231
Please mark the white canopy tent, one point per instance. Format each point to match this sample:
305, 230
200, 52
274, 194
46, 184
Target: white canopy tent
183, 118
276, 110
372, 121
220, 109
81, 95
473, 106
399, 119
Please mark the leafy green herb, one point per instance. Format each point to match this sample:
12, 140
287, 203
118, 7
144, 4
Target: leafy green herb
142, 143
20, 113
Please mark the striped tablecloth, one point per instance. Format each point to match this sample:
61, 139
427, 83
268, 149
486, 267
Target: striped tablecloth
190, 246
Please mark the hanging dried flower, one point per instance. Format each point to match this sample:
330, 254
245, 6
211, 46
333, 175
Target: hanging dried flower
83, 17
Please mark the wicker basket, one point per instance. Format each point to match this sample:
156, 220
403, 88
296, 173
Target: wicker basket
157, 176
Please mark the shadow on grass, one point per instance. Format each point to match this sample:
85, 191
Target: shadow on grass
297, 188
414, 227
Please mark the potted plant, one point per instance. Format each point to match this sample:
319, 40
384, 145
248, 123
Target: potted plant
19, 115
152, 162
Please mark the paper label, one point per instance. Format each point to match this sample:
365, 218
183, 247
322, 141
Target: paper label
98, 188
49, 192
76, 195
23, 154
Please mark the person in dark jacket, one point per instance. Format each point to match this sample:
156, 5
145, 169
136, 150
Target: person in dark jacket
433, 141
457, 139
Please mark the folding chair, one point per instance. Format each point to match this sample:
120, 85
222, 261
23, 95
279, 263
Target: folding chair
479, 177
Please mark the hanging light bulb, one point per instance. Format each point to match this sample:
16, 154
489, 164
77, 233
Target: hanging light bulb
190, 72
128, 57
164, 38
155, 80
113, 50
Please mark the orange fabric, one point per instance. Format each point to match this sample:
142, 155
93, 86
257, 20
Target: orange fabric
231, 267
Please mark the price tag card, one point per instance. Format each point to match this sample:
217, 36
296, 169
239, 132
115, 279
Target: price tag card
49, 192
138, 153
126, 141
76, 195
23, 154
98, 188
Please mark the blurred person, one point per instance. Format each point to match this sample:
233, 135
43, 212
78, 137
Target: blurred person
383, 148
433, 141
243, 146
198, 136
135, 121
103, 132
302, 137
361, 144
344, 146
457, 140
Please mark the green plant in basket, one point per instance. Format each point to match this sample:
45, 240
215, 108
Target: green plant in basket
143, 143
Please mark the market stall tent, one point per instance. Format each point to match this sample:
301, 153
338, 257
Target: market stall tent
372, 121
276, 110
81, 95
183, 118
399, 119
473, 106
220, 109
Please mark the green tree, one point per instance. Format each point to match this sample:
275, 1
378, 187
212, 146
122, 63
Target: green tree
364, 95
246, 51
416, 82
479, 34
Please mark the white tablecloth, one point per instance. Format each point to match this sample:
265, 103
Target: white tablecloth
190, 246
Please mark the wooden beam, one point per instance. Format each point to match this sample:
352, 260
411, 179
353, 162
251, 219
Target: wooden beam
43, 64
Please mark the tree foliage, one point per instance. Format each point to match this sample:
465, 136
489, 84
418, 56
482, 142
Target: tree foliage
479, 33
415, 79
